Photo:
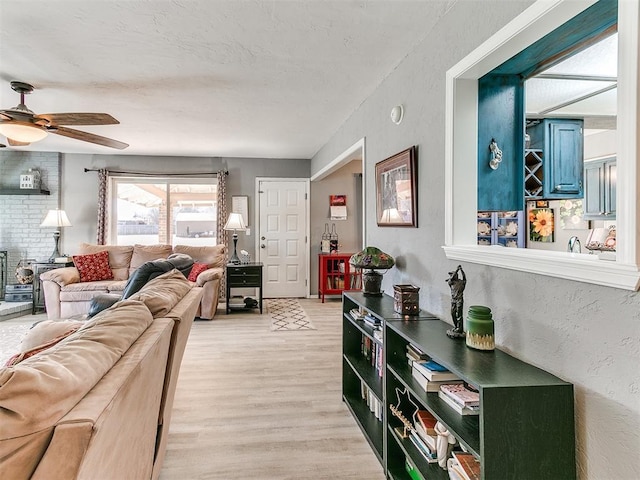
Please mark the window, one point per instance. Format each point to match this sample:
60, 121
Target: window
462, 151
149, 211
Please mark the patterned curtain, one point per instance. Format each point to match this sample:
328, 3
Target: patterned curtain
101, 235
221, 233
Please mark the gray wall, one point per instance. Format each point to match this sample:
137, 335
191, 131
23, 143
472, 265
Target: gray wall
586, 334
80, 192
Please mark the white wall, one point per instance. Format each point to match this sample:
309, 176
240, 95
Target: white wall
585, 334
20, 215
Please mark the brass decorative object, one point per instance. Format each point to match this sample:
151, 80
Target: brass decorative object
396, 410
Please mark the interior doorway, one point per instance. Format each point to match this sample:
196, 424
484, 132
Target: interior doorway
282, 239
345, 175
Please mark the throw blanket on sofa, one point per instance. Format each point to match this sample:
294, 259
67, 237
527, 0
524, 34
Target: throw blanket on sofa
139, 278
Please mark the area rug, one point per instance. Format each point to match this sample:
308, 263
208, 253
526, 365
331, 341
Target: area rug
287, 314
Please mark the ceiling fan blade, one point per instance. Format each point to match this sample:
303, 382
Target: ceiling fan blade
88, 137
15, 143
76, 119
3, 116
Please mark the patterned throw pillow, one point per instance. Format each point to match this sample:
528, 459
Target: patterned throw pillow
196, 270
93, 267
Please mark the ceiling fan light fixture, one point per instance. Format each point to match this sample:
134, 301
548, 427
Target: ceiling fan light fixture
22, 133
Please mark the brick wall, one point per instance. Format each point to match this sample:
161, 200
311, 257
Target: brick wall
21, 215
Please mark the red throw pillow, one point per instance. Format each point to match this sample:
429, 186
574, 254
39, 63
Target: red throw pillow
196, 270
93, 267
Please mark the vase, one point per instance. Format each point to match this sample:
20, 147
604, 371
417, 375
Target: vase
480, 328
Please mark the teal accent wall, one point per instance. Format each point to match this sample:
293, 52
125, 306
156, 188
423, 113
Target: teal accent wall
501, 110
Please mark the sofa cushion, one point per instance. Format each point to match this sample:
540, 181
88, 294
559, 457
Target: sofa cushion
47, 330
65, 372
162, 293
196, 270
119, 257
41, 346
147, 253
214, 255
93, 266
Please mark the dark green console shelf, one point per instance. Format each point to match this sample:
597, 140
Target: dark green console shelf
525, 429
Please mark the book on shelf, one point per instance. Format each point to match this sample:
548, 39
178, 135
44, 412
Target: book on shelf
371, 320
461, 394
430, 440
468, 465
429, 455
454, 470
426, 384
427, 420
432, 374
356, 314
457, 407
412, 470
415, 354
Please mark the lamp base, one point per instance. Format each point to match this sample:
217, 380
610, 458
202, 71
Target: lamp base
234, 258
371, 283
56, 250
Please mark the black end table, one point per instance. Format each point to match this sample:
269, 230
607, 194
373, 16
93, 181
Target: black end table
38, 269
244, 275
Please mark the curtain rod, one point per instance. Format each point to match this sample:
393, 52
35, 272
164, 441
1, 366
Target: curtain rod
148, 174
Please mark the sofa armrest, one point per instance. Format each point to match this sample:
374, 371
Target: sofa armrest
62, 276
208, 275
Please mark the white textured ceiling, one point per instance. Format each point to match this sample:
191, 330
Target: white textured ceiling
261, 78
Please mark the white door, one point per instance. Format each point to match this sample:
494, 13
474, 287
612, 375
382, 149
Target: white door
282, 237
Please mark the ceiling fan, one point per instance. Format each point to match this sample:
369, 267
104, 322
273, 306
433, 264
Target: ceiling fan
21, 126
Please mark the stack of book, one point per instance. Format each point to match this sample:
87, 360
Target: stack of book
431, 375
462, 398
369, 319
375, 405
414, 354
424, 425
463, 466
357, 313
429, 455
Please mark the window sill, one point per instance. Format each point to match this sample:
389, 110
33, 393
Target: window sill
570, 266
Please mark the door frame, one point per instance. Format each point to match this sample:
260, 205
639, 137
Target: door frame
307, 227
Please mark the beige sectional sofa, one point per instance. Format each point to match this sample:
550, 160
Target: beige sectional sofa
97, 404
66, 296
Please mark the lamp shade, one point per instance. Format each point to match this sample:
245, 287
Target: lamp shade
372, 258
391, 215
22, 133
235, 222
56, 218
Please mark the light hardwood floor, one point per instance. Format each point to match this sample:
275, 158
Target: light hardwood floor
256, 404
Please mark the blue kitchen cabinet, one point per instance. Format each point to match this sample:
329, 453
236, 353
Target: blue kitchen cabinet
561, 147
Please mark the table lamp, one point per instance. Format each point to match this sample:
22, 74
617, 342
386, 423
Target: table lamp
371, 259
56, 218
235, 223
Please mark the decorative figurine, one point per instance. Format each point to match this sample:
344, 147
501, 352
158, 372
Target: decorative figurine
444, 444
457, 285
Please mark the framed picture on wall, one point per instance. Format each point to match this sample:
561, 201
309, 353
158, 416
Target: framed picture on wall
396, 190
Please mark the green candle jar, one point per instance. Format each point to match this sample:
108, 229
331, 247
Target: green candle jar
480, 328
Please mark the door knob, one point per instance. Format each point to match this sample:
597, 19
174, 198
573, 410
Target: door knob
263, 246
